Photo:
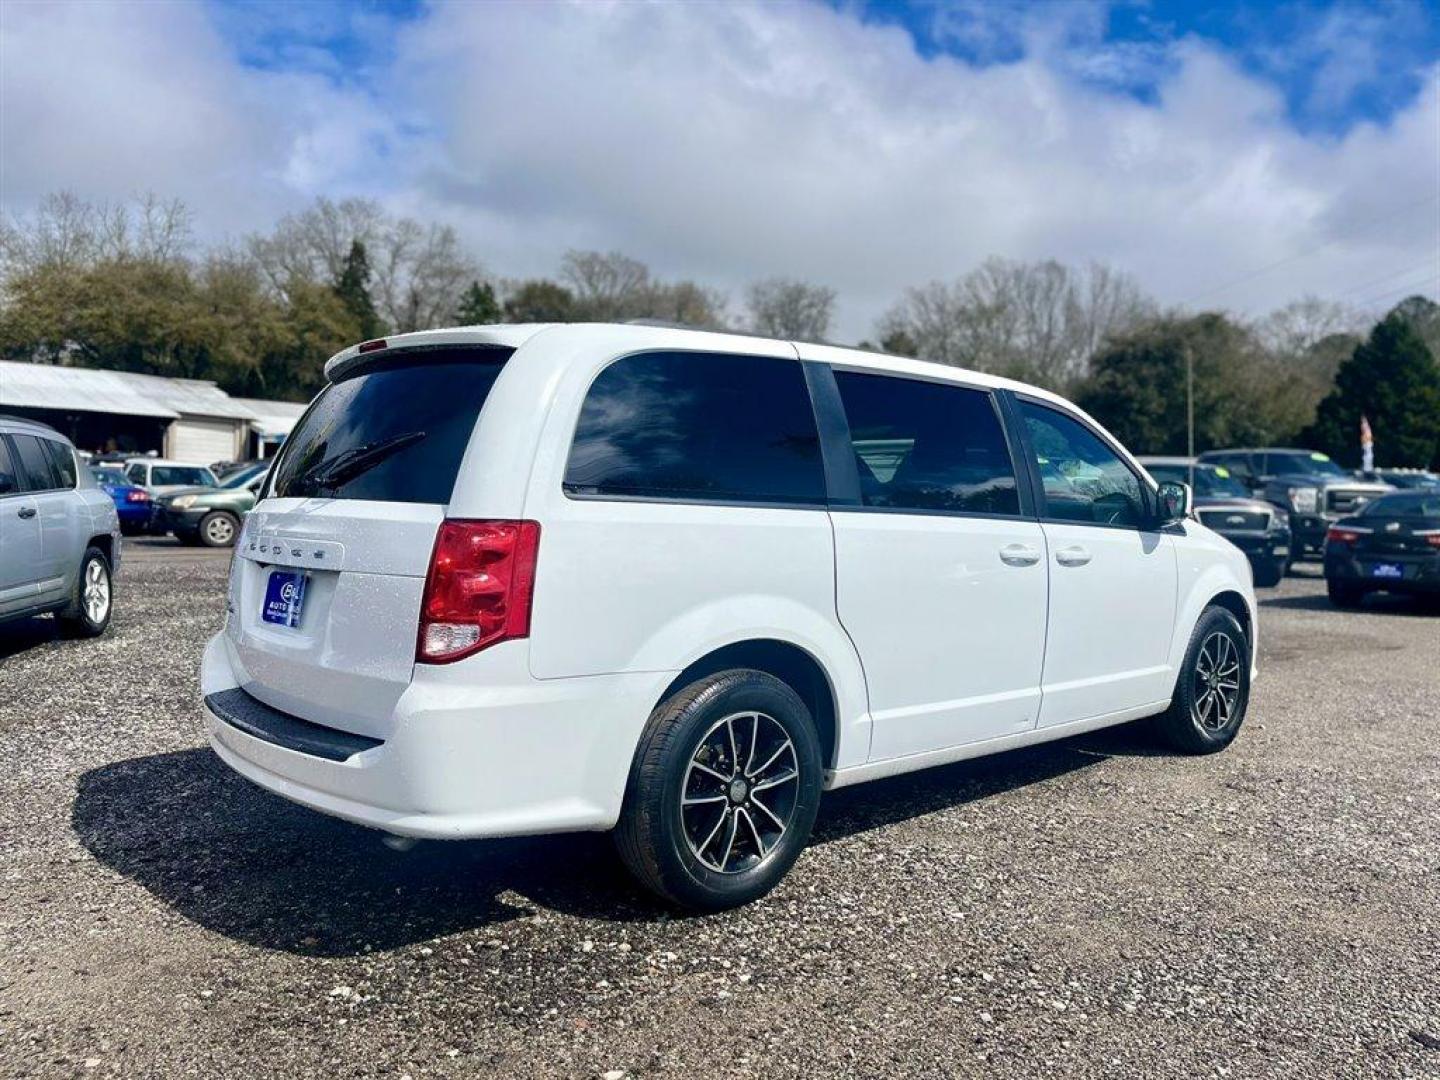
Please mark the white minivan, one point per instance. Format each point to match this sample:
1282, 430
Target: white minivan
530, 579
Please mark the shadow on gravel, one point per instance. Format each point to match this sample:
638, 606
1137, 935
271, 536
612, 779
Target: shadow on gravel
873, 805
25, 634
249, 865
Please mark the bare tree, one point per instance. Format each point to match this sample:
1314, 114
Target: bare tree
1293, 329
607, 286
1038, 321
786, 308
67, 232
420, 271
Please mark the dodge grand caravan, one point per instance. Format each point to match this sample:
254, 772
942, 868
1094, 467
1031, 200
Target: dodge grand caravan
674, 584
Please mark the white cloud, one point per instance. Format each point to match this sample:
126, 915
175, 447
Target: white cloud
729, 142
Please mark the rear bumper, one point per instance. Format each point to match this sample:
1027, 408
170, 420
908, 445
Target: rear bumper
1419, 575
477, 748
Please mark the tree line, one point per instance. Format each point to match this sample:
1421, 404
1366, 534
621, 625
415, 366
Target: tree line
125, 287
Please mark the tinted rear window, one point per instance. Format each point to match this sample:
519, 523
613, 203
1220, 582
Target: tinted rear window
709, 427
926, 446
425, 408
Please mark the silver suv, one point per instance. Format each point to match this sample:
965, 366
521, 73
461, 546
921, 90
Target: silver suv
59, 533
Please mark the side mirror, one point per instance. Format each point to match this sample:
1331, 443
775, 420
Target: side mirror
1173, 502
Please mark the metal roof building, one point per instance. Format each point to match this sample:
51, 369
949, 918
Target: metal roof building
183, 419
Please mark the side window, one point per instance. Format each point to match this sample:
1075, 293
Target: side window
1083, 478
62, 460
927, 446
9, 480
34, 463
698, 426
136, 474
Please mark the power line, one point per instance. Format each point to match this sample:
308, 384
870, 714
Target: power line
1423, 264
1313, 251
1414, 287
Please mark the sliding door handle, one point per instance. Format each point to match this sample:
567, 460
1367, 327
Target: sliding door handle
27, 511
1075, 555
1019, 555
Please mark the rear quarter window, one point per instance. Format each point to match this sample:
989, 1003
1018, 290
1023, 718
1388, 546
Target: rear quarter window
698, 427
62, 460
407, 419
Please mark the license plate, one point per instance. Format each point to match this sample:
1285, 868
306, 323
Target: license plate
284, 597
1387, 570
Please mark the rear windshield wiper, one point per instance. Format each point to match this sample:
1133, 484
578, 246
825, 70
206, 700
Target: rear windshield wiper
332, 472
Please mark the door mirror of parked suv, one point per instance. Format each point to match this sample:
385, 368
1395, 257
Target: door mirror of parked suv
1173, 502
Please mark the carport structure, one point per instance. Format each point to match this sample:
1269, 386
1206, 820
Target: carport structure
100, 411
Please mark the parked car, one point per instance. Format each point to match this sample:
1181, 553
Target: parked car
59, 533
157, 475
209, 515
1306, 484
1225, 505
1392, 544
133, 504
525, 579
1404, 478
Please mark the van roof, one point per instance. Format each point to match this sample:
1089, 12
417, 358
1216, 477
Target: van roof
140, 459
652, 335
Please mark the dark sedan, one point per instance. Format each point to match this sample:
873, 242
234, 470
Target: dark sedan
1393, 544
1224, 504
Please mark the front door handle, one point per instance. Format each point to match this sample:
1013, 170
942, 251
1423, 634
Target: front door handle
27, 511
1074, 555
1019, 555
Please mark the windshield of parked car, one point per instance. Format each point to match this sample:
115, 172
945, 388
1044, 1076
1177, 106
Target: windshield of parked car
1284, 464
188, 475
1211, 481
1405, 504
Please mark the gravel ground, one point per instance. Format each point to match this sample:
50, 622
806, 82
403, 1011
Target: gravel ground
1088, 908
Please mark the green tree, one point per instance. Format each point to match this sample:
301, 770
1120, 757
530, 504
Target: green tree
1137, 388
478, 306
540, 301
1394, 381
353, 289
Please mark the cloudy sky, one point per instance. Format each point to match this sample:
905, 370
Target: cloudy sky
1234, 155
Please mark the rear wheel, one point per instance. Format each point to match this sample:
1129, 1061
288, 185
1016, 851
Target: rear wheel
723, 791
1213, 689
218, 529
88, 613
1344, 594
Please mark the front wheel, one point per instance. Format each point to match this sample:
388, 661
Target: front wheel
1213, 689
218, 529
88, 613
723, 791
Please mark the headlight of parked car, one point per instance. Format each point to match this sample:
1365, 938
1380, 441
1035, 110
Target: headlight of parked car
1304, 500
182, 502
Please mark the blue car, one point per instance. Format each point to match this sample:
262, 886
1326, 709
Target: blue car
131, 503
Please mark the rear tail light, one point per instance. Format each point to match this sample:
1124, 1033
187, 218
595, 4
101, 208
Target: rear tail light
1336, 534
479, 588
1432, 536
137, 496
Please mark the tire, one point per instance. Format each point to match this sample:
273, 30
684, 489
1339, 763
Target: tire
1205, 715
219, 528
1344, 594
685, 752
1268, 575
88, 613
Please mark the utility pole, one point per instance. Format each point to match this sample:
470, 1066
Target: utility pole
1190, 409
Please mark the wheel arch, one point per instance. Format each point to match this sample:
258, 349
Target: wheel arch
795, 666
